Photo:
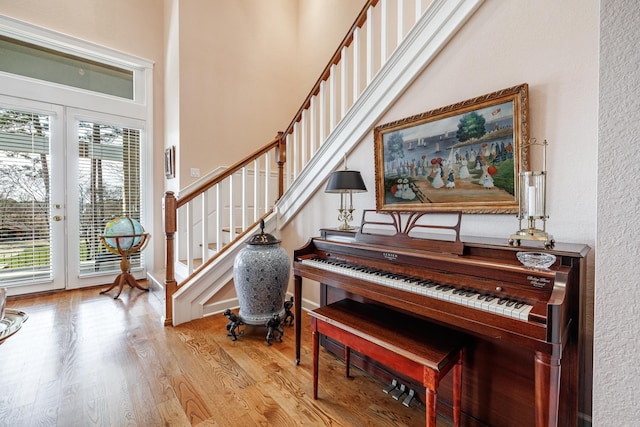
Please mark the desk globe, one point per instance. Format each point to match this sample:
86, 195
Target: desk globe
124, 236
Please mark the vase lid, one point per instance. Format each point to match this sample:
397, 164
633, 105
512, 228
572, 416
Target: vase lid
262, 238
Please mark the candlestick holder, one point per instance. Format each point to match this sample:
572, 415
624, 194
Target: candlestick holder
532, 205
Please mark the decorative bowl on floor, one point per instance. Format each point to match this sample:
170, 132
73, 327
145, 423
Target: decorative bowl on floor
539, 260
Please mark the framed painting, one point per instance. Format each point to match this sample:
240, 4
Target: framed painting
463, 157
170, 162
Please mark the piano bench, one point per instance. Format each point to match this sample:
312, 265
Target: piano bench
420, 350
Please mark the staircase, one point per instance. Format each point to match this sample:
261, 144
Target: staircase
206, 226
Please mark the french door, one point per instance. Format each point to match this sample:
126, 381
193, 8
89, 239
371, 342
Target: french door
104, 163
64, 173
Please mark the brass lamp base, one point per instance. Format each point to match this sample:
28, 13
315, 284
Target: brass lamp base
345, 216
532, 234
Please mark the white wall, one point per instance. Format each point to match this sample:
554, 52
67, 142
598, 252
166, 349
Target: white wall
552, 46
616, 386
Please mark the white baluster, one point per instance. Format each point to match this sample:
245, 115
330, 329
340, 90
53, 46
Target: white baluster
189, 237
232, 224
322, 112
218, 218
243, 202
296, 151
355, 47
205, 225
400, 33
256, 189
289, 164
303, 139
383, 32
313, 128
333, 99
344, 62
267, 181
369, 54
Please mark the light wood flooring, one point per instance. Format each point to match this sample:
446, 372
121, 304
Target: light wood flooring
85, 359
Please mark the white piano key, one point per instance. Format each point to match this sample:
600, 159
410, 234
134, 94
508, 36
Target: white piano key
445, 293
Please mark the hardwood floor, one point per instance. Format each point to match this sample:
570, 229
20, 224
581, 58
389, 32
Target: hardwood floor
85, 359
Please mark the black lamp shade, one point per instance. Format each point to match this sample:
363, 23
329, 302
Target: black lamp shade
346, 180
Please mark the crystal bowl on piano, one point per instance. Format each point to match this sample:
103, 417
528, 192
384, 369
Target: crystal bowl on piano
539, 260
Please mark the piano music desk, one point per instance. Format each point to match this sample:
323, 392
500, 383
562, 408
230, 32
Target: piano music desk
421, 350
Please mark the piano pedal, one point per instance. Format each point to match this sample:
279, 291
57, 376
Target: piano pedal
407, 400
402, 390
391, 387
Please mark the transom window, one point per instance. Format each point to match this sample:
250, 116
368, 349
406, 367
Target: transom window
38, 62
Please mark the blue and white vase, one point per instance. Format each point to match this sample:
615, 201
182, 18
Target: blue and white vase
260, 276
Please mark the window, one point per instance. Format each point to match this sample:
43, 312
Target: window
25, 250
29, 60
108, 187
79, 166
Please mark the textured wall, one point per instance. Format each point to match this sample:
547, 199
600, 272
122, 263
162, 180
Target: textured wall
616, 388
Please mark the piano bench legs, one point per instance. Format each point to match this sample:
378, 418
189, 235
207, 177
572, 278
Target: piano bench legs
426, 356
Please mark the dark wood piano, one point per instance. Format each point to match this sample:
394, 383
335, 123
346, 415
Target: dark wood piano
522, 362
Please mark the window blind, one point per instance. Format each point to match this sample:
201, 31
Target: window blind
25, 250
109, 187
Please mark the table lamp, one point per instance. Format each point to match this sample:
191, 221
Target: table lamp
345, 182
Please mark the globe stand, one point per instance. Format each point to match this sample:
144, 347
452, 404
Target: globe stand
125, 266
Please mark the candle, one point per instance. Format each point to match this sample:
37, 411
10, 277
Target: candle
531, 200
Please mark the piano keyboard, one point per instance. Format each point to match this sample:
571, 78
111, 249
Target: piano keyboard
468, 297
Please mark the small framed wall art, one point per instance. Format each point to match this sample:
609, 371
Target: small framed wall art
170, 162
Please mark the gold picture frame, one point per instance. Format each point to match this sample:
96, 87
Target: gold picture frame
463, 157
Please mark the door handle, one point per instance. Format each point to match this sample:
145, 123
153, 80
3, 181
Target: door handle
57, 218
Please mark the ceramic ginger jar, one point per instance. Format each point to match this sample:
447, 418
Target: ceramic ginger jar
260, 276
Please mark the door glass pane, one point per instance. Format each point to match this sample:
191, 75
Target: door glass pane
25, 243
109, 187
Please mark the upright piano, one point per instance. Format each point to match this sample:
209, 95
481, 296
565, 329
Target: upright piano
521, 363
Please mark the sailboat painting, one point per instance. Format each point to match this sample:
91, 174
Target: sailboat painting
463, 157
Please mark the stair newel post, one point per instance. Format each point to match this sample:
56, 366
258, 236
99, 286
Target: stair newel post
170, 205
281, 159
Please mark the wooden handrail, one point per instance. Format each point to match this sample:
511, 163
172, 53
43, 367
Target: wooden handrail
204, 186
346, 42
